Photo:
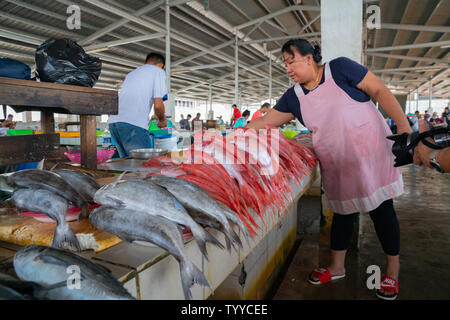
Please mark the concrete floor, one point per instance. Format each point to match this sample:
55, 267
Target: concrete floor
424, 215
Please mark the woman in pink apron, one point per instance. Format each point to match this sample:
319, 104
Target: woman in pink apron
349, 138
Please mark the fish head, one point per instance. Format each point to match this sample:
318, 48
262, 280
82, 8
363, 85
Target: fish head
106, 196
5, 186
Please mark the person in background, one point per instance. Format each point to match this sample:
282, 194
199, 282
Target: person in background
182, 121
415, 121
242, 121
187, 125
197, 117
8, 122
446, 116
435, 120
426, 116
392, 125
219, 120
261, 112
143, 87
236, 114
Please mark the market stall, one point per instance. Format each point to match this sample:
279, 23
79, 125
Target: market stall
150, 270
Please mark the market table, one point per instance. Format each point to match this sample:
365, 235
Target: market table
49, 98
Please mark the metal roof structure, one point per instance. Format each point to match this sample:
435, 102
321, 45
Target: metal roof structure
410, 51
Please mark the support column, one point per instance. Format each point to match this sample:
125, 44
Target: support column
270, 78
170, 99
342, 29
236, 70
417, 99
430, 94
210, 102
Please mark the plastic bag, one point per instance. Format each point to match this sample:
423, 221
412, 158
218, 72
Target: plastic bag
64, 61
10, 68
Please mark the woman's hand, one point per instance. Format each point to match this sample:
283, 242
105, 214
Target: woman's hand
272, 118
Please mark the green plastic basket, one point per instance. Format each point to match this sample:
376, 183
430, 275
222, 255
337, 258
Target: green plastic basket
17, 132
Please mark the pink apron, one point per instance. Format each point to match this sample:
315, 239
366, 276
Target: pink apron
349, 138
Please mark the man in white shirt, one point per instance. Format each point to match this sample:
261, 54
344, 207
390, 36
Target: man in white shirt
143, 87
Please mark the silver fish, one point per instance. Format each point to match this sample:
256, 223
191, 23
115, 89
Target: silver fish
54, 206
145, 196
51, 267
41, 179
193, 197
82, 182
134, 225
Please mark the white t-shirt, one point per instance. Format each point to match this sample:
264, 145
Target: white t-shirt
136, 96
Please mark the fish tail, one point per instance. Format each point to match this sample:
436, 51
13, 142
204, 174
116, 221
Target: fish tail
201, 237
227, 242
64, 238
84, 211
235, 238
190, 274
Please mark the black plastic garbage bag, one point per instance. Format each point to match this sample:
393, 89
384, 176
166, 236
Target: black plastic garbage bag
64, 61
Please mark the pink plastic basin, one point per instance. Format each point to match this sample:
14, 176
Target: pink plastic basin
102, 156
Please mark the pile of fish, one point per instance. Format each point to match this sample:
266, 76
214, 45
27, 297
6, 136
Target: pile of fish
257, 178
154, 209
56, 274
50, 192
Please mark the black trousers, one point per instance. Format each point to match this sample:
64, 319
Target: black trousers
386, 226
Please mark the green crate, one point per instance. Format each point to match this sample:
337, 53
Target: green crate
17, 132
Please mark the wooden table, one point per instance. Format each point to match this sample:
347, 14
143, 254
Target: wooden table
50, 98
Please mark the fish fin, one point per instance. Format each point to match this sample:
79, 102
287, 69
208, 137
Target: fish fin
228, 242
235, 238
84, 211
53, 168
40, 165
57, 285
119, 178
205, 236
64, 238
190, 274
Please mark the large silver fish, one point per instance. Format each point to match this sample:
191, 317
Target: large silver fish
82, 182
51, 267
41, 179
134, 225
145, 196
54, 206
194, 198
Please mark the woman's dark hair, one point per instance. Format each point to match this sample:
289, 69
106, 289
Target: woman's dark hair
155, 58
303, 47
246, 113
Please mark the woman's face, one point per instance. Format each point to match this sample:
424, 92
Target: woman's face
298, 67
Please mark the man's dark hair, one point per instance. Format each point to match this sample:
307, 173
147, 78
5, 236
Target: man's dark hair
10, 116
234, 105
266, 105
417, 111
155, 58
246, 113
188, 116
198, 114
